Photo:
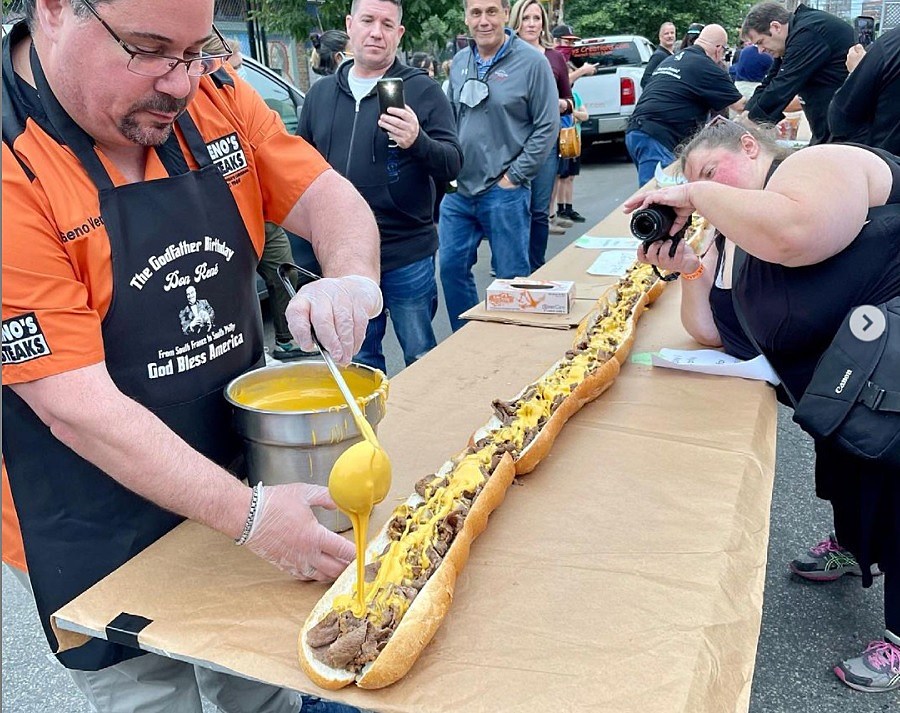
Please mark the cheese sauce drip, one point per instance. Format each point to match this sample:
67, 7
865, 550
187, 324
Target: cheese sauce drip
409, 553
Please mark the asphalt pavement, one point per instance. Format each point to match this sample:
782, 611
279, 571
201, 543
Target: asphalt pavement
806, 628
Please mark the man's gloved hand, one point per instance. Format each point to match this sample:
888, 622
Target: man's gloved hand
338, 309
288, 535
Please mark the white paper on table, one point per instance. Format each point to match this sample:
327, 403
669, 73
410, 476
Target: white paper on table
710, 361
612, 262
595, 243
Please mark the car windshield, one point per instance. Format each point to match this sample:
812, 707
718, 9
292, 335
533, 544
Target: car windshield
607, 54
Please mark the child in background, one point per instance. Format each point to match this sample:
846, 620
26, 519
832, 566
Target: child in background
569, 168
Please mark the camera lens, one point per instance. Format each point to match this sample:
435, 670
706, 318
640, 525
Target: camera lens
653, 222
645, 225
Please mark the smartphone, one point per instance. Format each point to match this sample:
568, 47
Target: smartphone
390, 93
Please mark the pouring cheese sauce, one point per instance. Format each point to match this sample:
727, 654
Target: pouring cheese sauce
378, 599
361, 476
359, 480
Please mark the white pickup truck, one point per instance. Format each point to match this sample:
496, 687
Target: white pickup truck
610, 95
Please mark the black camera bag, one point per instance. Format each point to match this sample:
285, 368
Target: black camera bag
853, 397
854, 394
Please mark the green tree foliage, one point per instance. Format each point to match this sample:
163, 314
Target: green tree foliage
595, 18
429, 23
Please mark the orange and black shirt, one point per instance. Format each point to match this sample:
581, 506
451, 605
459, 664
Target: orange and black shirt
57, 276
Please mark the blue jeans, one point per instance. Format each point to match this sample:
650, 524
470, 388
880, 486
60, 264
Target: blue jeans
504, 217
646, 152
541, 193
314, 704
410, 298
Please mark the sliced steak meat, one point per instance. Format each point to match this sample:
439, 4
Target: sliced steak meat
325, 632
430, 482
529, 437
505, 411
347, 646
397, 527
434, 559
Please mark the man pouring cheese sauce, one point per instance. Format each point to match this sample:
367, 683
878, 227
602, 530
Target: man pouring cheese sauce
126, 139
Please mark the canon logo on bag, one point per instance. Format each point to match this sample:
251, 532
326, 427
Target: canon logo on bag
840, 387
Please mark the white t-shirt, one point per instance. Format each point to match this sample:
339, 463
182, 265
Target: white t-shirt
360, 86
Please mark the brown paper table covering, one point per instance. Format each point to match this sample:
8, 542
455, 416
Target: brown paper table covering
624, 574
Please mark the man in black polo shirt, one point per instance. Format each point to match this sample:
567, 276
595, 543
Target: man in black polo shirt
810, 49
685, 89
867, 107
663, 51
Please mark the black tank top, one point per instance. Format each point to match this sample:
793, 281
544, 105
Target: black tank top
732, 335
794, 312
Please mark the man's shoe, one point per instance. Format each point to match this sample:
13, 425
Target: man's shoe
574, 216
285, 351
876, 669
559, 220
828, 561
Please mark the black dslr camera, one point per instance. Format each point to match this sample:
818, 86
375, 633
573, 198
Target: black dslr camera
652, 225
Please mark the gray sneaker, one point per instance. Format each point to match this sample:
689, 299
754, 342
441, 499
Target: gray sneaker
827, 561
876, 669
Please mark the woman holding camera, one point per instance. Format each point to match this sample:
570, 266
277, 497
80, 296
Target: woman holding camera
821, 233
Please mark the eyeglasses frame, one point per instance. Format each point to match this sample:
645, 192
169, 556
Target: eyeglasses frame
176, 60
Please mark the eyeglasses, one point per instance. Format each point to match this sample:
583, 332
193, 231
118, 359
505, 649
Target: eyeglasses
148, 64
474, 92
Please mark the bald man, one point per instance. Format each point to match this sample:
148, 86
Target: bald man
685, 90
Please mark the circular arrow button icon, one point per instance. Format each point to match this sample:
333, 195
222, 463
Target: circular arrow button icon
867, 323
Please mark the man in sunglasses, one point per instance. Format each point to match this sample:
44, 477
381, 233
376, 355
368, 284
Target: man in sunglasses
507, 110
138, 169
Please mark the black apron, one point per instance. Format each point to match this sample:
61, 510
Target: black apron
184, 320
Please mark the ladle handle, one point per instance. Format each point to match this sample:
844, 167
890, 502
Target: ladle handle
357, 413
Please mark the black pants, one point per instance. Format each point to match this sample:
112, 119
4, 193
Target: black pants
865, 498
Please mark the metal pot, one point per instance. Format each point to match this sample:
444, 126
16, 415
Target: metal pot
301, 445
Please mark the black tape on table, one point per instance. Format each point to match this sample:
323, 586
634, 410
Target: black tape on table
125, 628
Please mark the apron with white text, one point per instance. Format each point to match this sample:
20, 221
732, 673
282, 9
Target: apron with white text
183, 321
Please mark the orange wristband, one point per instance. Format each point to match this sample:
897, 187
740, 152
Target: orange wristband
695, 274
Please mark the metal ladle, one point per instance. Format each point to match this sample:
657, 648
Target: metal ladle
366, 491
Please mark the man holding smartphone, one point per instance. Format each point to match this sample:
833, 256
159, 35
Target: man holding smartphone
393, 158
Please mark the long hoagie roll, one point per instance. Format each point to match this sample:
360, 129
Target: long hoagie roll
414, 560
412, 565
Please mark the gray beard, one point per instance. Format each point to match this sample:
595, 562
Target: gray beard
142, 134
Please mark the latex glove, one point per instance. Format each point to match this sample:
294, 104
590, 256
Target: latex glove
338, 309
288, 535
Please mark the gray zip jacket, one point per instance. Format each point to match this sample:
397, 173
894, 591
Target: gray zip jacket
515, 128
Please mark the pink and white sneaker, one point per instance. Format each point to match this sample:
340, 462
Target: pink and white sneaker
876, 669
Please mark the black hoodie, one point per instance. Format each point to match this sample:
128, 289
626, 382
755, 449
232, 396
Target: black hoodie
398, 184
